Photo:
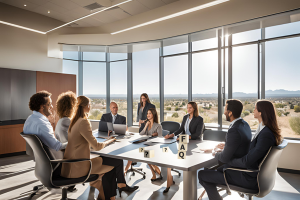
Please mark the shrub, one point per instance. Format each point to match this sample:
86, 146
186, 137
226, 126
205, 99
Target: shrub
297, 108
175, 115
249, 107
279, 112
295, 124
279, 105
245, 112
286, 113
201, 110
291, 106
168, 108
183, 104
176, 108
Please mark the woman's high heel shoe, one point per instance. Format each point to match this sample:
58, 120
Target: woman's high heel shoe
167, 189
127, 189
159, 178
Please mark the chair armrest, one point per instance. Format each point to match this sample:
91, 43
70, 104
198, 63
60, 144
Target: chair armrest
69, 160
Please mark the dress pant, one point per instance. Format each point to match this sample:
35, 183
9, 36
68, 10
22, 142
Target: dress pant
118, 167
209, 179
109, 184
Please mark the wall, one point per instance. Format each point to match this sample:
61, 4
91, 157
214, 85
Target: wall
22, 49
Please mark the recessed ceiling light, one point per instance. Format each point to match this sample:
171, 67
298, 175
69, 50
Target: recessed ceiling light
174, 15
48, 11
25, 5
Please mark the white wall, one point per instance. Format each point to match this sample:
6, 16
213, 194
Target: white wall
22, 49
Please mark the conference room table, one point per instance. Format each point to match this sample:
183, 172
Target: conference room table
195, 159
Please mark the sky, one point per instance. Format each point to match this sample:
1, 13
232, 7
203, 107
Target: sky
282, 66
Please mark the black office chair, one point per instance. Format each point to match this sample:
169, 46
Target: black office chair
266, 174
214, 135
136, 170
47, 170
171, 127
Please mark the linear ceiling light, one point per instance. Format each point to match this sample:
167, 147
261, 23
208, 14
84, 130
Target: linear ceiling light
22, 27
174, 15
89, 15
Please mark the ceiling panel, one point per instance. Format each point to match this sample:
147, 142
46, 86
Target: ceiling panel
104, 17
169, 1
117, 13
77, 13
38, 2
67, 4
83, 2
134, 7
92, 21
53, 7
151, 4
20, 4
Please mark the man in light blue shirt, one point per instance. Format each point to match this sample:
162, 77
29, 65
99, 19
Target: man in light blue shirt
38, 124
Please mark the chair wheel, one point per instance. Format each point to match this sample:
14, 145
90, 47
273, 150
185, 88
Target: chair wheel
179, 175
241, 194
133, 174
31, 195
144, 177
35, 188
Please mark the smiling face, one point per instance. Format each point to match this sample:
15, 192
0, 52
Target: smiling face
144, 99
113, 108
190, 109
149, 115
46, 109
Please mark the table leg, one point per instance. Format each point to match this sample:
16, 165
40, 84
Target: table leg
189, 185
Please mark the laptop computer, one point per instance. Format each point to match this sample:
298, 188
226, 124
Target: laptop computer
120, 128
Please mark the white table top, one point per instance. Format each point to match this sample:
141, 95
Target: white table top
128, 151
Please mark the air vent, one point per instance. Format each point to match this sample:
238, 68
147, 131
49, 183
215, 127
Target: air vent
93, 6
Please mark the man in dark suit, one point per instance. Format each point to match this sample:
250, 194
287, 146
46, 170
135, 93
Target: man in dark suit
237, 143
113, 116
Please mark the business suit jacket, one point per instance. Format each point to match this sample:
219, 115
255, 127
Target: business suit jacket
237, 142
108, 118
195, 127
80, 139
61, 129
144, 114
156, 128
259, 147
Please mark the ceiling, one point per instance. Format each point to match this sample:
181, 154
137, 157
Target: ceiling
68, 10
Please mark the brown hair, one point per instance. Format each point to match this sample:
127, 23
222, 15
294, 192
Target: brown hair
154, 113
82, 101
147, 99
269, 118
38, 99
65, 104
235, 106
194, 105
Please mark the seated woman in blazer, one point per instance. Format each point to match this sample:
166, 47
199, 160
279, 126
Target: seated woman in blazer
65, 106
192, 125
153, 128
142, 110
80, 138
266, 136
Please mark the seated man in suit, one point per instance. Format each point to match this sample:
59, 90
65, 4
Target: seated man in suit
237, 143
113, 116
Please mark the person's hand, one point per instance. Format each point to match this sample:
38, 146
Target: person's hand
214, 153
147, 124
167, 136
154, 134
111, 140
207, 150
221, 145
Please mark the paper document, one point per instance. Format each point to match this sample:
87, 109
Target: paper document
162, 140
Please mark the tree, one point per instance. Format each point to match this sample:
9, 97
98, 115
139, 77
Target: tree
168, 108
279, 112
279, 105
176, 108
175, 115
295, 124
297, 108
245, 112
291, 106
183, 104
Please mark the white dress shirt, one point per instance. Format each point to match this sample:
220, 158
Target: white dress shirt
39, 125
113, 118
231, 124
258, 130
187, 125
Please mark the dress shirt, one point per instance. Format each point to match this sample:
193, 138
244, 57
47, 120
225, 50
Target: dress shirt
39, 125
113, 118
258, 130
231, 124
187, 125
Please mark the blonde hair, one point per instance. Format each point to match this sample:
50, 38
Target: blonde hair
82, 101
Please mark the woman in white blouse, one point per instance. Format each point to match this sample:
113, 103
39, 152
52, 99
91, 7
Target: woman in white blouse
65, 105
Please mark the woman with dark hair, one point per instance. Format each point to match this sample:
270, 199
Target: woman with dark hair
65, 106
142, 110
80, 138
192, 125
266, 136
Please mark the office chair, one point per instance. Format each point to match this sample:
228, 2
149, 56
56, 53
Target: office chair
214, 135
47, 170
136, 170
171, 127
265, 177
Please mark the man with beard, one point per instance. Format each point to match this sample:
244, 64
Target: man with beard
237, 143
38, 124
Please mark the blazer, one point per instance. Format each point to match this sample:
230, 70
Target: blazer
259, 147
80, 140
108, 118
61, 129
156, 128
237, 142
195, 127
144, 114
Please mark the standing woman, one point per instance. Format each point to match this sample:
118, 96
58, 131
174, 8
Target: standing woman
65, 106
142, 110
153, 128
266, 136
192, 125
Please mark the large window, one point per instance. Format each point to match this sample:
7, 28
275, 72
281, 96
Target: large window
118, 85
205, 85
94, 87
176, 87
71, 67
145, 67
282, 83
245, 80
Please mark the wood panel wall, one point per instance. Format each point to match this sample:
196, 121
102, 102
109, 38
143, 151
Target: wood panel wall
56, 84
10, 139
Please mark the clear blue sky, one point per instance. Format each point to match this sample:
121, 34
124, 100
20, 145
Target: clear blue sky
282, 66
